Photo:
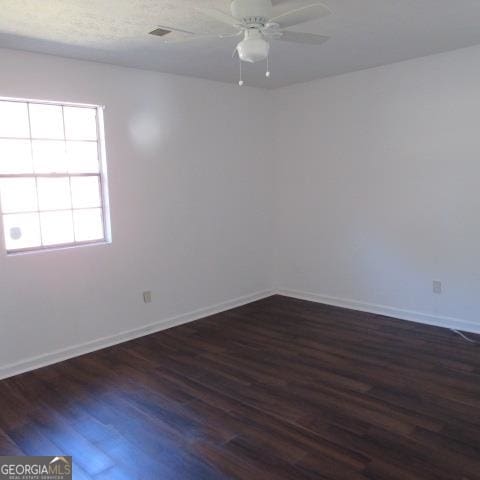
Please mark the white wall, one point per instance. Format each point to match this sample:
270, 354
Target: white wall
379, 189
373, 180
191, 210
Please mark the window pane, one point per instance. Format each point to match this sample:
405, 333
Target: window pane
54, 193
82, 157
50, 175
49, 156
14, 120
57, 227
21, 231
46, 121
15, 156
18, 195
85, 192
88, 225
80, 123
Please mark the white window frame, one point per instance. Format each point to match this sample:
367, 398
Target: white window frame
102, 177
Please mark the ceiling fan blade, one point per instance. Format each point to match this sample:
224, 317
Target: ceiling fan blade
219, 16
200, 37
301, 15
279, 7
300, 37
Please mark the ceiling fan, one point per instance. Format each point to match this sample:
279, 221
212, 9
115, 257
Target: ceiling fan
259, 22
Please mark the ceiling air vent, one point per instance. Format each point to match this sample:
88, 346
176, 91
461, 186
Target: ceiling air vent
160, 32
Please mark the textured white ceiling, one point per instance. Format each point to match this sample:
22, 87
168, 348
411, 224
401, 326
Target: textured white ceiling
364, 33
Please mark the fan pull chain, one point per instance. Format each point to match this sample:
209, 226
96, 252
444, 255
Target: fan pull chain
267, 74
241, 83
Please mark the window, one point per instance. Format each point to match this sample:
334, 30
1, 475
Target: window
53, 189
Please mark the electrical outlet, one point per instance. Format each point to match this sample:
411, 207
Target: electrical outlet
147, 297
437, 287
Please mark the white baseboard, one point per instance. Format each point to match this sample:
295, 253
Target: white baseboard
56, 356
410, 315
81, 349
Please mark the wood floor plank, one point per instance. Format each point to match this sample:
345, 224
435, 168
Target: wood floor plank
277, 389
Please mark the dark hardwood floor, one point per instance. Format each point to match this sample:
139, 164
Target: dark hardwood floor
278, 389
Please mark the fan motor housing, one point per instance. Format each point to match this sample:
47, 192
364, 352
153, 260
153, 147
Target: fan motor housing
252, 11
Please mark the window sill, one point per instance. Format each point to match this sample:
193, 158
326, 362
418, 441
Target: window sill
57, 248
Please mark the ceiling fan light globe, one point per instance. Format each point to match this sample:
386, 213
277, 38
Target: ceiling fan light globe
253, 50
